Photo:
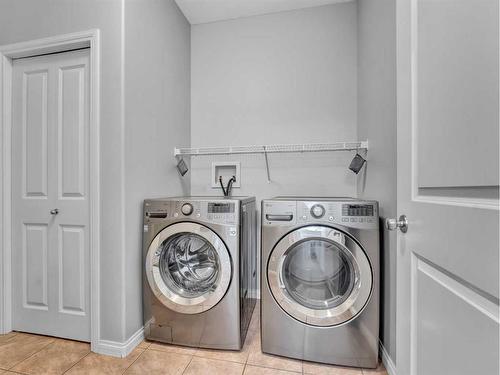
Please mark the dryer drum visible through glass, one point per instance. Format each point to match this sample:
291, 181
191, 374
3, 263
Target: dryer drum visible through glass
319, 276
188, 267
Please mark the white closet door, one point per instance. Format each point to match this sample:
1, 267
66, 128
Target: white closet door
448, 162
50, 195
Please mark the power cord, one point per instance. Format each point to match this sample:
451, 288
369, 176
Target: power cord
227, 190
222, 186
230, 186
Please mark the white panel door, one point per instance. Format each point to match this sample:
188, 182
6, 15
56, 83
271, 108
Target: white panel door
448, 162
50, 195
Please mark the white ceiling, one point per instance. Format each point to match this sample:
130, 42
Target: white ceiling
203, 11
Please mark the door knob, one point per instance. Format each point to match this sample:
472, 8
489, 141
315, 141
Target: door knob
401, 223
54, 211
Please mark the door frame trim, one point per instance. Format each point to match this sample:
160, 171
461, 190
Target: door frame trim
54, 44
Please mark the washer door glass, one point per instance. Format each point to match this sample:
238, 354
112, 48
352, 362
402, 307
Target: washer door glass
188, 268
189, 264
319, 276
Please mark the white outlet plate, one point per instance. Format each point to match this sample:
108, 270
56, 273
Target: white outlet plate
226, 169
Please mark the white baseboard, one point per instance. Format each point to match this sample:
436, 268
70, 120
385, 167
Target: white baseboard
386, 360
119, 349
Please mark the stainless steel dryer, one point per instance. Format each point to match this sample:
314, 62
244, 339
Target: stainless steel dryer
320, 280
200, 268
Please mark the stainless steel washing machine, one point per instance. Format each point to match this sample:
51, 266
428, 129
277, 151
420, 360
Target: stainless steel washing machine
320, 280
200, 268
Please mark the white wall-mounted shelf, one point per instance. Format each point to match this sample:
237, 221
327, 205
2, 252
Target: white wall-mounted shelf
272, 149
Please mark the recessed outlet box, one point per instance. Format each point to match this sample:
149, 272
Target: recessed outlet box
226, 169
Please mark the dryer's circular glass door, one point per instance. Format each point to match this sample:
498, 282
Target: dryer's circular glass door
320, 276
188, 268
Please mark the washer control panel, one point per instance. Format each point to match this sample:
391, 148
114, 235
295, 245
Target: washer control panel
359, 214
220, 212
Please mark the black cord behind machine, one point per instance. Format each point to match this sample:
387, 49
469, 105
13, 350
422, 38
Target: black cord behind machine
227, 190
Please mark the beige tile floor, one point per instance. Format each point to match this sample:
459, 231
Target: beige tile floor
22, 353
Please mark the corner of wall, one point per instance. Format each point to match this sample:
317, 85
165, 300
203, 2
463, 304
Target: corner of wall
377, 123
386, 360
156, 114
119, 349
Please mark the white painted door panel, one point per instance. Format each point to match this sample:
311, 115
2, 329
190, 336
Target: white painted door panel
50, 169
448, 162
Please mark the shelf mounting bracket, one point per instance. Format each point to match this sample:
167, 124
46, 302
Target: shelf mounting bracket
267, 165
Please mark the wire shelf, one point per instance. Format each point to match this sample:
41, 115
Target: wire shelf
272, 149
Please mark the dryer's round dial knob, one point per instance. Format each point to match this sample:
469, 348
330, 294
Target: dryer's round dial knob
317, 211
187, 209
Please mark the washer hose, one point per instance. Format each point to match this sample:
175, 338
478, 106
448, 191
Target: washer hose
230, 186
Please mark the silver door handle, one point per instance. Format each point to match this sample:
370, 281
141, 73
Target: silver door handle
54, 211
401, 223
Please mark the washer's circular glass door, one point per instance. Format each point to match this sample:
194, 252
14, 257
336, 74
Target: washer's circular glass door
188, 268
319, 276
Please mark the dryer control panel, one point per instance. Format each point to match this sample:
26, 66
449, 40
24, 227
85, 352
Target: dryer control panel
351, 213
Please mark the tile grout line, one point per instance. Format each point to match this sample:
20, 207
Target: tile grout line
190, 360
135, 360
171, 351
31, 355
77, 362
10, 338
210, 359
274, 368
215, 359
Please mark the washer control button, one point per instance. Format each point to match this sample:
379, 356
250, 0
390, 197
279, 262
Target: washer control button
331, 218
187, 209
317, 211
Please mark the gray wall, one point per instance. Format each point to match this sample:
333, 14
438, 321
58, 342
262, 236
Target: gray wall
157, 116
288, 77
377, 123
